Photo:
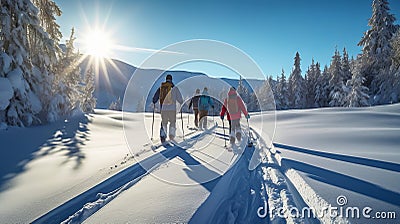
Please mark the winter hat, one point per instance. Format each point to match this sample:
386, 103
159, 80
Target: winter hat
197, 91
205, 90
232, 92
169, 77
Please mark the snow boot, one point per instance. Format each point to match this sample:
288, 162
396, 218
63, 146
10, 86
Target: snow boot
163, 135
232, 140
239, 136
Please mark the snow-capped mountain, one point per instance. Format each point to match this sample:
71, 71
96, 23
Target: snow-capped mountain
112, 78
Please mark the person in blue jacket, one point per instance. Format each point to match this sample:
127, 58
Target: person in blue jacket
205, 102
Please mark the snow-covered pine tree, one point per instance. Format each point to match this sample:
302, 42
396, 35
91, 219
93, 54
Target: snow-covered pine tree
395, 69
116, 105
323, 82
243, 91
277, 98
45, 50
311, 83
337, 89
87, 99
66, 94
358, 93
18, 19
266, 96
296, 85
282, 92
346, 69
254, 104
389, 80
318, 86
376, 49
48, 10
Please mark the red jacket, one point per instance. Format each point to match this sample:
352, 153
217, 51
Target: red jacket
233, 108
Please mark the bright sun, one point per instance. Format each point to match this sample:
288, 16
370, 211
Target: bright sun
98, 44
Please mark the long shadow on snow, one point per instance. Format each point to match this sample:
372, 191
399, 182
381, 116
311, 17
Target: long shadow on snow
345, 181
31, 143
137, 170
197, 170
232, 198
352, 159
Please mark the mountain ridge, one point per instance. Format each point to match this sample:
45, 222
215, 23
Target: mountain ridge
113, 77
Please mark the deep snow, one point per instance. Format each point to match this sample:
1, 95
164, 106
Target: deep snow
320, 155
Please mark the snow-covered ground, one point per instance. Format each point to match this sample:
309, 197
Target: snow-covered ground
82, 170
345, 152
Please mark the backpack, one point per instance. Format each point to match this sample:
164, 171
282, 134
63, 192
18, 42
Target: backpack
166, 93
232, 104
204, 102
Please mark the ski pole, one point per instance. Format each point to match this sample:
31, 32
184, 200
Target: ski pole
249, 143
183, 130
223, 127
152, 124
213, 114
188, 121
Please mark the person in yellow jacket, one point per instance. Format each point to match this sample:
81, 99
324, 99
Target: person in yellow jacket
168, 95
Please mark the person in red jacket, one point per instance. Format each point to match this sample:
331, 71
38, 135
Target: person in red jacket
233, 106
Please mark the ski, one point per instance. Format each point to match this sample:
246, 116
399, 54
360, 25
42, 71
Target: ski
192, 128
168, 143
165, 144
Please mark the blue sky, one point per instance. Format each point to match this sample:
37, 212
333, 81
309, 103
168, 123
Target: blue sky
269, 31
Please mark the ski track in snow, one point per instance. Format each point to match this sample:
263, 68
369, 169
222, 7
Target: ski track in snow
257, 189
89, 202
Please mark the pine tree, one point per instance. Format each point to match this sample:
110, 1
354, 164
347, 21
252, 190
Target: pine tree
296, 85
18, 20
318, 86
376, 47
395, 69
337, 89
277, 97
254, 104
66, 86
88, 101
48, 10
323, 99
358, 94
346, 69
282, 92
116, 105
311, 84
266, 94
44, 49
243, 91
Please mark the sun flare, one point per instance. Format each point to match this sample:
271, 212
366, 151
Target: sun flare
98, 43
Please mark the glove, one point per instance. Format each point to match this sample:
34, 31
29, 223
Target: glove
222, 117
248, 116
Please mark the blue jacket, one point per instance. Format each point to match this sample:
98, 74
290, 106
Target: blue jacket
205, 101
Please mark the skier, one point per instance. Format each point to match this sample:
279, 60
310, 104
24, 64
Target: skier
195, 102
205, 102
168, 95
233, 106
